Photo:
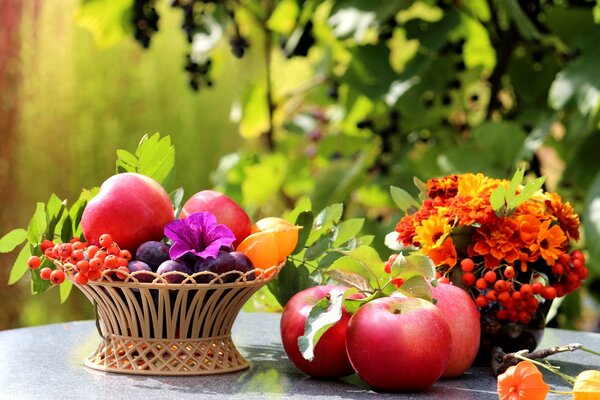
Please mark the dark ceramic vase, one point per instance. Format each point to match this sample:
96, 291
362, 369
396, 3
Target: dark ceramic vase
510, 336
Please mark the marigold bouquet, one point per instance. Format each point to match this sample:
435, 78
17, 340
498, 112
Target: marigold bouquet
507, 244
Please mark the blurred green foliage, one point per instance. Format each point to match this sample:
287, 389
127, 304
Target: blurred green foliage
336, 100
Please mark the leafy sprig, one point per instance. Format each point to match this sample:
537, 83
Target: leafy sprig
506, 200
56, 221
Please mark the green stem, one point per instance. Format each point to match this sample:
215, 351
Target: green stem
565, 377
590, 351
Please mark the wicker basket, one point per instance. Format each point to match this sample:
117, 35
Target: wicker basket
162, 328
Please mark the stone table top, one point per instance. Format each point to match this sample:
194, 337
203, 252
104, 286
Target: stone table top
45, 362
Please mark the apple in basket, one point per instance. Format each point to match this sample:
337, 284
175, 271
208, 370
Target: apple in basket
131, 207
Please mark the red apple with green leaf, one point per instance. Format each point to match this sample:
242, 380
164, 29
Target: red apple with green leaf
399, 344
461, 314
227, 211
131, 207
330, 358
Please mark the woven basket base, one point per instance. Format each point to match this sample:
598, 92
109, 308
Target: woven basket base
177, 357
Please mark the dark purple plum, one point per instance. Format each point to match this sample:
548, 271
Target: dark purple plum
171, 266
135, 266
152, 253
243, 264
224, 262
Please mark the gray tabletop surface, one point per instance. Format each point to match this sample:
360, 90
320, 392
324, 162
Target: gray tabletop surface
45, 362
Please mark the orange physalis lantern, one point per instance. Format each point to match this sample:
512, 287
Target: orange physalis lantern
522, 382
587, 386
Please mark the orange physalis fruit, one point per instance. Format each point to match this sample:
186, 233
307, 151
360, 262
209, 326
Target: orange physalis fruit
587, 385
261, 248
286, 234
522, 382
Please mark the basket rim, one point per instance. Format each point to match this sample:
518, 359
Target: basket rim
264, 276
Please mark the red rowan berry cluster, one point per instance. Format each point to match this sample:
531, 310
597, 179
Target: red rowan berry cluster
515, 295
80, 260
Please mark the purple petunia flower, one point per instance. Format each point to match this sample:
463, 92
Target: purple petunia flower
198, 234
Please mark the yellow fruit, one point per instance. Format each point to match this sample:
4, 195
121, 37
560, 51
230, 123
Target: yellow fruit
587, 385
286, 234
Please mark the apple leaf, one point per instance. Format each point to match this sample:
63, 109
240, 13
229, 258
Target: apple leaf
20, 266
352, 279
37, 225
417, 286
347, 230
329, 216
305, 220
329, 259
324, 314
176, 199
154, 157
12, 239
370, 261
318, 248
405, 202
411, 265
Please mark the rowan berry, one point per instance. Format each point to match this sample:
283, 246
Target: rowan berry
443, 279
91, 251
57, 276
468, 279
481, 284
77, 256
564, 259
122, 272
509, 272
83, 266
467, 265
526, 291
481, 301
559, 289
101, 254
537, 287
81, 278
577, 254
96, 264
490, 276
558, 269
122, 262
549, 292
524, 317
501, 286
34, 262
45, 273
503, 297
105, 240
516, 296
110, 262
113, 249
78, 246
577, 263
502, 314
74, 240
127, 255
64, 250
94, 275
491, 295
46, 244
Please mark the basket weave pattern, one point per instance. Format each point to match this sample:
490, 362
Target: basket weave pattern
169, 329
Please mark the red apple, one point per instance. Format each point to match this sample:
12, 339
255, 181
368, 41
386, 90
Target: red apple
399, 344
227, 211
462, 316
131, 207
331, 360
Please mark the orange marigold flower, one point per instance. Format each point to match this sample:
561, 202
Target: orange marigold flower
432, 232
496, 241
468, 210
522, 382
445, 254
550, 242
564, 214
475, 184
445, 187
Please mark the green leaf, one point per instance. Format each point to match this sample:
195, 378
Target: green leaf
317, 249
20, 266
66, 232
12, 239
65, 290
283, 18
107, 20
305, 220
515, 182
55, 210
347, 230
37, 224
592, 226
497, 200
177, 198
524, 25
290, 280
324, 314
126, 162
477, 50
329, 216
370, 261
423, 189
350, 279
406, 267
255, 116
329, 259
528, 191
39, 285
417, 286
156, 158
264, 179
405, 202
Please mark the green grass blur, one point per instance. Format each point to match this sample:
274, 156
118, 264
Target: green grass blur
77, 104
